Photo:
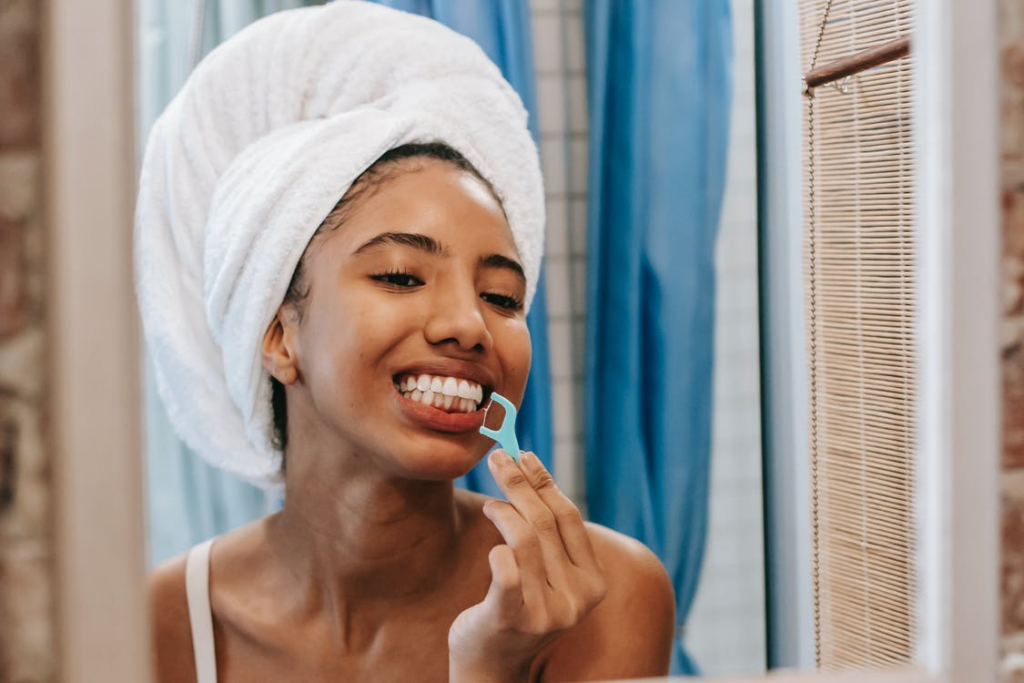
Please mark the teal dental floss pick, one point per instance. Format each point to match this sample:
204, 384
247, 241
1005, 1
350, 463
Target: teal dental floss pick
506, 434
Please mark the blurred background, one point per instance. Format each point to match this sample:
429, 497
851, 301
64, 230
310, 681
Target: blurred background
677, 152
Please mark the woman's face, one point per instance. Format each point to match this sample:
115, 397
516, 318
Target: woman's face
414, 315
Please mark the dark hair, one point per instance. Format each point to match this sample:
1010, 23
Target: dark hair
383, 169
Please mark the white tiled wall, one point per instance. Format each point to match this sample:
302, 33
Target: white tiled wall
562, 104
726, 629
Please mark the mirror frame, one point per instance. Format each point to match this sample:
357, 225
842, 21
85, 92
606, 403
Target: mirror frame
93, 337
94, 343
957, 109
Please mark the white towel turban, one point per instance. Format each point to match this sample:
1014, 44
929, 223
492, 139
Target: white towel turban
265, 137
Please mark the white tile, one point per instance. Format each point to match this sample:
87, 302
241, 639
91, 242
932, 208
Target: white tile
578, 226
578, 115
552, 153
551, 105
557, 273
560, 347
579, 333
579, 340
578, 155
579, 284
581, 445
562, 392
547, 41
580, 408
567, 468
575, 47
556, 231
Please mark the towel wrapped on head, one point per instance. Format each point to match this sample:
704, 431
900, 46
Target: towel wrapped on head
266, 136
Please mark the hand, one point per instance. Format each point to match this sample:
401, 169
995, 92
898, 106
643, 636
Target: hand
544, 579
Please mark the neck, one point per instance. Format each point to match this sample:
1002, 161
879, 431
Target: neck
359, 538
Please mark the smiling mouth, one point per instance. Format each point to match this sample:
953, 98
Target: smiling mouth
450, 394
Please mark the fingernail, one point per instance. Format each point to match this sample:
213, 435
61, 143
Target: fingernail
528, 459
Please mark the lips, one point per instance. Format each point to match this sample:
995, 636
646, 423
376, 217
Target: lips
444, 395
438, 419
451, 394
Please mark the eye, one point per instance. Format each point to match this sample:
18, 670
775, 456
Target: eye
509, 303
399, 279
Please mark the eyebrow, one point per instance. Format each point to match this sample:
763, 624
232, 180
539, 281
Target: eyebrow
431, 246
407, 239
499, 261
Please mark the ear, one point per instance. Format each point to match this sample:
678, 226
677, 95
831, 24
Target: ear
279, 348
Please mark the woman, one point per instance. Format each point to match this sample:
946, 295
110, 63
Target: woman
404, 311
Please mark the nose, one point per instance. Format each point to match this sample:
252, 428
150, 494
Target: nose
456, 318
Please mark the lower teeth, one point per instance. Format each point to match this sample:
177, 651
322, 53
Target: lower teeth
454, 406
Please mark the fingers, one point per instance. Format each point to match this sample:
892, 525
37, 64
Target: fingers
571, 529
545, 578
533, 491
521, 493
505, 595
525, 546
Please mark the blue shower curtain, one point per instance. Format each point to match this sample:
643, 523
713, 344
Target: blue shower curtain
659, 92
502, 29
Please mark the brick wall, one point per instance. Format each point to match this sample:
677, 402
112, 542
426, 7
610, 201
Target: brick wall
26, 561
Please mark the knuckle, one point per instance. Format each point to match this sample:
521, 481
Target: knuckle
525, 541
516, 480
580, 610
597, 590
590, 589
539, 625
506, 620
546, 523
569, 513
495, 507
565, 619
529, 628
559, 624
543, 481
562, 613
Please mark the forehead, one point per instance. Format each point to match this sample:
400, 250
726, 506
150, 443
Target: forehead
436, 198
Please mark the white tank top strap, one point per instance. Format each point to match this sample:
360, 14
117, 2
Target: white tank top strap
197, 590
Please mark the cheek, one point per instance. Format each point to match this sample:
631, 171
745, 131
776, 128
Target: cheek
343, 346
515, 349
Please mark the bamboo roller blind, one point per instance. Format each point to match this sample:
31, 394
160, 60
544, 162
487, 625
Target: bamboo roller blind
859, 255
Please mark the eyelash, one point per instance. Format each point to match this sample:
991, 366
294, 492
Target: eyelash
400, 279
391, 277
509, 303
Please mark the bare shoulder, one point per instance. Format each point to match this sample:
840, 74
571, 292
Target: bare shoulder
640, 592
627, 560
637, 614
169, 622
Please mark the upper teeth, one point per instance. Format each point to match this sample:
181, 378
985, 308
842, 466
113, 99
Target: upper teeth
441, 391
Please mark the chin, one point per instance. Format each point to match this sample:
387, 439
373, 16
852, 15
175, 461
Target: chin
439, 461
